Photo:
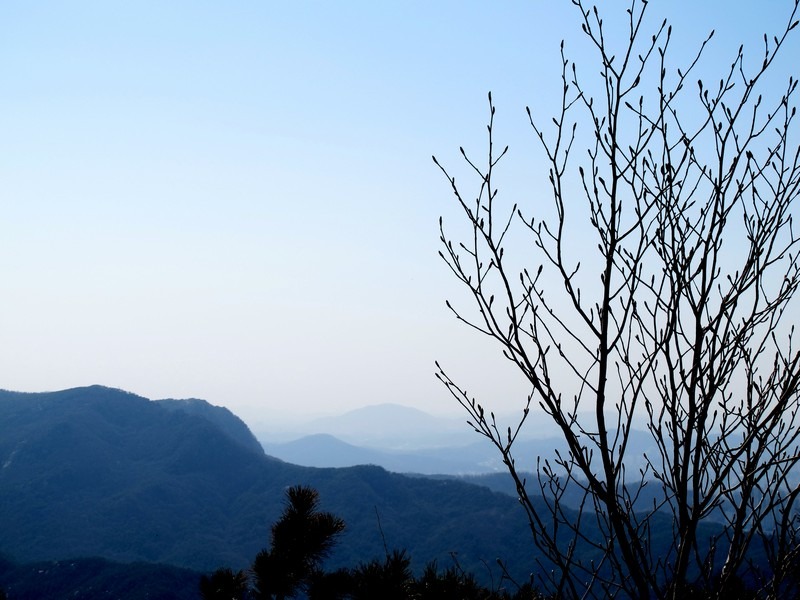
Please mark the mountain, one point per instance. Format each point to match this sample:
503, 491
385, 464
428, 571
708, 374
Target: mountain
387, 426
323, 450
97, 579
227, 422
95, 471
101, 472
475, 458
397, 427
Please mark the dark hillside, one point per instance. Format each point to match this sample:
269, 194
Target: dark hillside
220, 416
100, 472
97, 579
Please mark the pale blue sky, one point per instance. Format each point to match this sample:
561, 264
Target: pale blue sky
235, 200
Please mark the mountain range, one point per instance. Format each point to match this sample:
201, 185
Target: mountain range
407, 440
101, 472
399, 428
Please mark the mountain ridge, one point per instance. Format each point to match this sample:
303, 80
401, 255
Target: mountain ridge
101, 472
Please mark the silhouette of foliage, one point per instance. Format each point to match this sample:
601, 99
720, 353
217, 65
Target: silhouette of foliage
451, 584
301, 539
335, 585
390, 579
224, 584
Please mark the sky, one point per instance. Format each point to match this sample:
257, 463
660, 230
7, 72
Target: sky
236, 201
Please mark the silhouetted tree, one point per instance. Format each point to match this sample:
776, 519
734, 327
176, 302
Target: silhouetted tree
455, 584
335, 585
224, 584
390, 579
301, 539
451, 584
671, 313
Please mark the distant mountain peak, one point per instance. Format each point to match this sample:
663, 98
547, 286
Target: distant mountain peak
389, 426
385, 408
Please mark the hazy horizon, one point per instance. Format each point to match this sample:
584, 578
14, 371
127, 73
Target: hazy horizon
236, 202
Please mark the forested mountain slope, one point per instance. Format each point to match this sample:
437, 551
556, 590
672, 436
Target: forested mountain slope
100, 472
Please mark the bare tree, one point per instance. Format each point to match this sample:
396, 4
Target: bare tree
679, 317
